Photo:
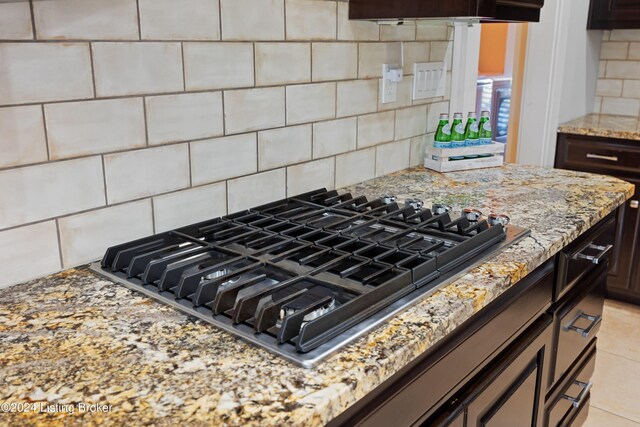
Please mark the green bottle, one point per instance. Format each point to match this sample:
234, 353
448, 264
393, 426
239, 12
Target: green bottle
485, 128
443, 133
457, 131
471, 132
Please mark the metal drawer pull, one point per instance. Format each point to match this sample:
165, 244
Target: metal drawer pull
596, 259
585, 332
577, 401
601, 157
633, 204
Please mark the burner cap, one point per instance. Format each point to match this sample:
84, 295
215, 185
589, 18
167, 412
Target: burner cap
308, 298
440, 209
472, 215
495, 219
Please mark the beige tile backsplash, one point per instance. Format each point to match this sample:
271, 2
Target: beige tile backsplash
618, 84
123, 118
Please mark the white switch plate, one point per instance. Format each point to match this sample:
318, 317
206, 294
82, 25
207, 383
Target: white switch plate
389, 87
429, 79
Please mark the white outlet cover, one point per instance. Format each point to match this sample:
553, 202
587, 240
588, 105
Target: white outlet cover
389, 86
429, 79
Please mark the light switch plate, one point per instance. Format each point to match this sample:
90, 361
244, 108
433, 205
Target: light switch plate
389, 85
429, 79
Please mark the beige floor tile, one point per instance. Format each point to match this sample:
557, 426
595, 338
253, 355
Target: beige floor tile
616, 385
618, 334
599, 418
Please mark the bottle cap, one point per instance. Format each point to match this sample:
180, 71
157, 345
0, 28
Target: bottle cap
484, 114
457, 115
444, 116
472, 114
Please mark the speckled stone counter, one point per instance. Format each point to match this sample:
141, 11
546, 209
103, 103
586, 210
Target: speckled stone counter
74, 337
604, 125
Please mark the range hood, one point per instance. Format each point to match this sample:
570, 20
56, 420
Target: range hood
480, 10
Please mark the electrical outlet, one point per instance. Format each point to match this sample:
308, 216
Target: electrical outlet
390, 78
429, 79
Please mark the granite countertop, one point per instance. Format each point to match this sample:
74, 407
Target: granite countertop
74, 337
604, 125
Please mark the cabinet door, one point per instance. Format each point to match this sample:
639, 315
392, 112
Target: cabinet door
623, 272
610, 14
512, 394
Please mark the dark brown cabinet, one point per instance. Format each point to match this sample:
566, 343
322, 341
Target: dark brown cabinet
612, 14
485, 10
619, 158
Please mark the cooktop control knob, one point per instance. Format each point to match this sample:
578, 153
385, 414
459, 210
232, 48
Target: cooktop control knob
439, 209
472, 215
495, 219
416, 204
387, 199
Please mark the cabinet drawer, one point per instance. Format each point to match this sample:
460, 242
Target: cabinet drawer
580, 258
569, 407
578, 323
590, 155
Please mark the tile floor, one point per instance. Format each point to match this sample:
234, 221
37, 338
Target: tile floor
615, 397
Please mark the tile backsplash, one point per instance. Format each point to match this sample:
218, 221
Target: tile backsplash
618, 85
121, 118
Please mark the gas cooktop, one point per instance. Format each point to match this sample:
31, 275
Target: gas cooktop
304, 276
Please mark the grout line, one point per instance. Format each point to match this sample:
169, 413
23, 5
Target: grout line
146, 125
34, 33
59, 244
184, 74
93, 72
46, 134
104, 180
190, 169
138, 19
219, 6
153, 215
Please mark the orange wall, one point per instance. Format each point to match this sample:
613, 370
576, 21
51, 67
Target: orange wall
493, 49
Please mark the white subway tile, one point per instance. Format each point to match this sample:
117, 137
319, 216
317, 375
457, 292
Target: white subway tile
625, 35
34, 193
614, 50
186, 207
311, 19
357, 97
634, 51
623, 69
123, 68
86, 19
429, 31
622, 106
355, 167
608, 87
85, 237
415, 52
374, 129
179, 19
218, 65
311, 102
253, 109
334, 137
28, 252
311, 176
602, 66
355, 30
334, 61
631, 89
597, 104
15, 21
392, 157
281, 63
284, 146
397, 32
37, 72
373, 55
92, 127
442, 51
22, 139
252, 19
223, 158
186, 116
257, 189
418, 145
141, 173
411, 122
